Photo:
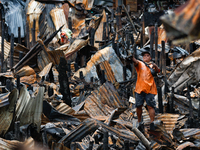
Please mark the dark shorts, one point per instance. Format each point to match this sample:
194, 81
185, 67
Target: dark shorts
143, 96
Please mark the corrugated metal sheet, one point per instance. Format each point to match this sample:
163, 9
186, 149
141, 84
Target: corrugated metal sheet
29, 109
6, 113
101, 102
59, 19
25, 71
64, 108
109, 75
56, 55
6, 48
46, 70
9, 145
4, 99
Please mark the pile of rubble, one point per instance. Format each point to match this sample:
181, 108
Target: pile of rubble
78, 94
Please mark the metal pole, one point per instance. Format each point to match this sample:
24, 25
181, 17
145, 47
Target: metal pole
11, 50
19, 35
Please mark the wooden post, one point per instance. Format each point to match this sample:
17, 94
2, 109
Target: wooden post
19, 35
11, 50
160, 102
171, 102
156, 44
33, 33
105, 141
151, 43
27, 36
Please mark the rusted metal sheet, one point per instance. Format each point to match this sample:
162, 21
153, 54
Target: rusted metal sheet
106, 95
169, 121
9, 145
6, 113
56, 55
190, 132
29, 109
183, 22
45, 70
76, 46
65, 109
184, 145
6, 48
187, 71
109, 75
106, 54
65, 8
58, 18
25, 71
4, 99
34, 11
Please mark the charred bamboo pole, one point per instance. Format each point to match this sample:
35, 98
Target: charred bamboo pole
190, 106
151, 42
19, 35
105, 141
18, 82
27, 36
143, 139
191, 48
2, 37
156, 43
103, 79
171, 102
63, 80
160, 101
92, 34
107, 27
11, 50
124, 72
70, 23
104, 32
33, 33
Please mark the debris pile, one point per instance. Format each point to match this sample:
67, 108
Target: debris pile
67, 80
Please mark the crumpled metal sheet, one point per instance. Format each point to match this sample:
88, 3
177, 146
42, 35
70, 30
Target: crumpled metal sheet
4, 99
76, 46
6, 48
184, 145
184, 21
34, 11
102, 101
45, 71
188, 71
6, 113
9, 145
64, 108
58, 18
106, 54
29, 109
25, 71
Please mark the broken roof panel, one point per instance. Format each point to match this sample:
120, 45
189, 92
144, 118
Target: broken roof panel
4, 99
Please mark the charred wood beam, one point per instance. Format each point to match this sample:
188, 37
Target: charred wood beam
18, 82
171, 101
91, 145
199, 112
33, 33
70, 23
160, 101
64, 82
27, 35
92, 34
156, 43
104, 33
11, 50
6, 32
151, 42
17, 130
44, 138
2, 37
19, 35
105, 141
143, 139
124, 72
190, 107
34, 51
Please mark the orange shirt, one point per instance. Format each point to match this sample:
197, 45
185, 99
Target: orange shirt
145, 81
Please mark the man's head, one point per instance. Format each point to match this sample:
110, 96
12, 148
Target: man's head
146, 56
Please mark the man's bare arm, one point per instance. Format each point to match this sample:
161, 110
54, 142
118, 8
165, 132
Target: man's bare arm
135, 61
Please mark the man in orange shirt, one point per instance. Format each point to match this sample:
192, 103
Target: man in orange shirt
145, 88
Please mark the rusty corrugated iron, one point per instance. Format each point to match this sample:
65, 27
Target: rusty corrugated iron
4, 99
6, 48
109, 75
6, 113
183, 22
106, 95
65, 109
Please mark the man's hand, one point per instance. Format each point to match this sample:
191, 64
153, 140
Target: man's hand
135, 61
